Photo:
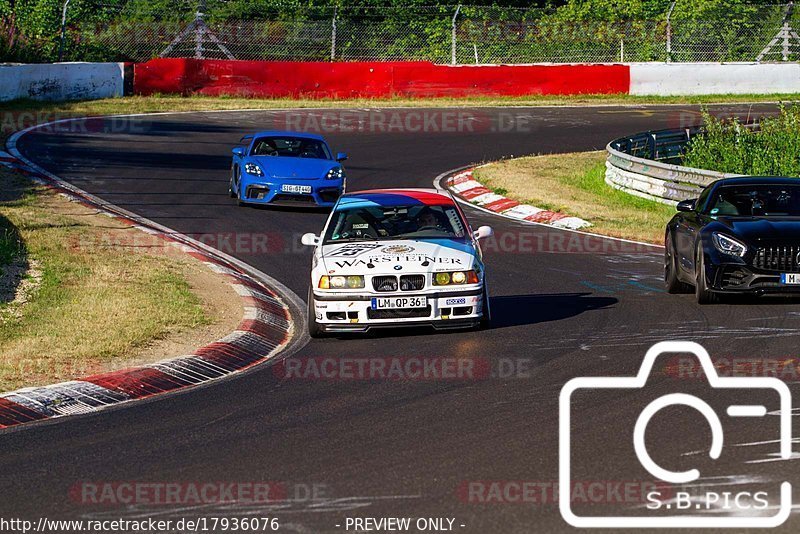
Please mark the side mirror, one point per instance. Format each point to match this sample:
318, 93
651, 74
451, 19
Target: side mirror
309, 239
238, 151
341, 156
686, 205
483, 232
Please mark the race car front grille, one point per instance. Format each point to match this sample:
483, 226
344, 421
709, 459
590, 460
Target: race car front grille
405, 313
293, 198
384, 283
781, 258
329, 195
412, 282
256, 191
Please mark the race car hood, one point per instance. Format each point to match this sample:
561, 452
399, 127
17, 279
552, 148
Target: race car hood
398, 257
294, 168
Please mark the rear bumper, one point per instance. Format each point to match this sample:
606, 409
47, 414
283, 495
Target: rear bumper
354, 313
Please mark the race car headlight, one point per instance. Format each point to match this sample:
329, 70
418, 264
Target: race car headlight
728, 245
252, 168
341, 282
455, 278
336, 173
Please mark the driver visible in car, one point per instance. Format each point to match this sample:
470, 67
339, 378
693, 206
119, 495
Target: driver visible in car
426, 218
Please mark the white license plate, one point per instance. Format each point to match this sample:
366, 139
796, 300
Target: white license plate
790, 278
384, 303
289, 188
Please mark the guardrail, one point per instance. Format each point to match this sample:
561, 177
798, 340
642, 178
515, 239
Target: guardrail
645, 165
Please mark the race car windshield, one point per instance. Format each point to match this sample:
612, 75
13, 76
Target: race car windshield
396, 222
756, 201
290, 147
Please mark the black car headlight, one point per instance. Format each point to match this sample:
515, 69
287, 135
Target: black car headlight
336, 173
252, 168
728, 245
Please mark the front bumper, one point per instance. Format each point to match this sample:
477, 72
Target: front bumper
742, 278
324, 193
354, 313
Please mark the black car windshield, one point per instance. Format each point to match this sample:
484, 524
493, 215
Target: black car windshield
290, 147
756, 201
366, 223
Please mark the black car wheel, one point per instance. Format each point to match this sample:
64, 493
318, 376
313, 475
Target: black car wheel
671, 281
701, 291
314, 329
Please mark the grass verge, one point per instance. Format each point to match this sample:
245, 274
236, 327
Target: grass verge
166, 103
95, 303
574, 184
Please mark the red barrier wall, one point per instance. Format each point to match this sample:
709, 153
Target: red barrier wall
372, 79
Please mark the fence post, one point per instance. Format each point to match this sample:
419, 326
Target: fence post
453, 37
669, 31
333, 33
198, 29
63, 31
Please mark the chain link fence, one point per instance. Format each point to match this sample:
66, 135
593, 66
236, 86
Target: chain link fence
138, 30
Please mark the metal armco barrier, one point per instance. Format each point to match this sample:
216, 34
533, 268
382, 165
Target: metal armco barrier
645, 165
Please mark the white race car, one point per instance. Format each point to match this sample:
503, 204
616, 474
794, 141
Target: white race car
396, 257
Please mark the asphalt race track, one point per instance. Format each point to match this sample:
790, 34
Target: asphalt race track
564, 305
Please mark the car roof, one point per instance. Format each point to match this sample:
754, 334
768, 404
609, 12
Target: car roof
274, 133
757, 180
396, 197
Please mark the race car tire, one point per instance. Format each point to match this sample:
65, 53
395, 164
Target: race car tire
702, 293
671, 281
486, 318
314, 329
239, 190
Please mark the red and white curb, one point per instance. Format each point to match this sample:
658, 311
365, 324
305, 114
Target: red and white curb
464, 184
266, 328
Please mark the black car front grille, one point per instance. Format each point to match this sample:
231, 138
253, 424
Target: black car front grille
412, 282
781, 258
384, 283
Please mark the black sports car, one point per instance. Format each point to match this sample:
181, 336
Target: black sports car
742, 235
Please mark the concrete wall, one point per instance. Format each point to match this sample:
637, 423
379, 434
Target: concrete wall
714, 78
61, 81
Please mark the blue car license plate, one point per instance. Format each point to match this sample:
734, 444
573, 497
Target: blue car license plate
790, 279
299, 189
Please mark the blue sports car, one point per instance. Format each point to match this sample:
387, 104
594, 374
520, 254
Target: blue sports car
288, 168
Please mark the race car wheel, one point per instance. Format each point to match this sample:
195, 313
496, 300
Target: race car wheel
314, 329
703, 295
671, 281
239, 190
231, 190
486, 319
